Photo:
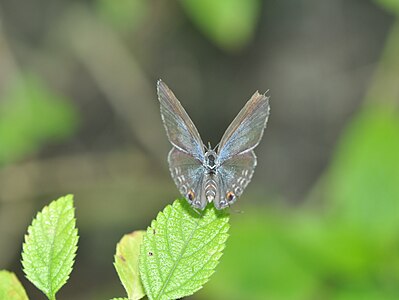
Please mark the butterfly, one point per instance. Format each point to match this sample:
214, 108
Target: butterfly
203, 174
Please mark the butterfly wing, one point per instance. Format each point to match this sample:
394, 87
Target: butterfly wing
181, 131
246, 130
236, 159
188, 175
234, 176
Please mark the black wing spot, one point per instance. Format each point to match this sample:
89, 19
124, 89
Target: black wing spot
190, 195
230, 196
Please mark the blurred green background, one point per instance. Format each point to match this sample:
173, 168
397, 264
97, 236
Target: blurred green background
79, 114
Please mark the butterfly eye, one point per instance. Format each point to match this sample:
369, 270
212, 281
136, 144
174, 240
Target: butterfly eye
230, 196
190, 195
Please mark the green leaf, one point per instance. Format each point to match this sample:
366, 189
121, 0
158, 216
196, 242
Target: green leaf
10, 287
390, 5
50, 246
257, 264
127, 264
229, 23
30, 116
363, 180
181, 250
329, 248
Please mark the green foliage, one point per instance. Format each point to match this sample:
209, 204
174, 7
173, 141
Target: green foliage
50, 246
10, 287
123, 14
298, 255
257, 264
228, 23
181, 250
31, 115
390, 5
364, 176
127, 264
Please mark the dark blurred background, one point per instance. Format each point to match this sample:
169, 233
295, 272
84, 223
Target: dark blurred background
79, 114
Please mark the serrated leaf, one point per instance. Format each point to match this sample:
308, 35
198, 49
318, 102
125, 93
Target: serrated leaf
10, 287
127, 264
50, 246
181, 250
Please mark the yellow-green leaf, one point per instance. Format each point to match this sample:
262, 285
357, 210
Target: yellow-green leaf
127, 264
10, 287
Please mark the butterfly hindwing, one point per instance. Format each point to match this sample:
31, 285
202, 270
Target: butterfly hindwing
188, 175
234, 176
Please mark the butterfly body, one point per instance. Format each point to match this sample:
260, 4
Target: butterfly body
210, 160
205, 175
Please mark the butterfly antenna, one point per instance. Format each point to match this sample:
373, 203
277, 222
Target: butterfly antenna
216, 146
209, 145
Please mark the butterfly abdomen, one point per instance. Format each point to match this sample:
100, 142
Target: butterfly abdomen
210, 187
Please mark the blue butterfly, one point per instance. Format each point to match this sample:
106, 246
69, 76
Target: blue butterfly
203, 174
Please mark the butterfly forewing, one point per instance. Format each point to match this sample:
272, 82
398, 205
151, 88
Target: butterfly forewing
234, 176
180, 129
246, 130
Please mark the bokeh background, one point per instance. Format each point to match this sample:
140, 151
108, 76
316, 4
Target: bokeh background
79, 114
